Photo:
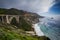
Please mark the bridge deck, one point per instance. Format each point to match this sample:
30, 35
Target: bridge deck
11, 15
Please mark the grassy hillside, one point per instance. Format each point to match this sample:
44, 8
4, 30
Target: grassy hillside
10, 32
11, 11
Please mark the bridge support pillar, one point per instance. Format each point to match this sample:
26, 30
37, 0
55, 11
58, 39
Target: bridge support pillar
2, 19
7, 20
17, 19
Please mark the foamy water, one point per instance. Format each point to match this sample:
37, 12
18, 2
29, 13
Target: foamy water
38, 30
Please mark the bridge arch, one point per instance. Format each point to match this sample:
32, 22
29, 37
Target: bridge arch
9, 18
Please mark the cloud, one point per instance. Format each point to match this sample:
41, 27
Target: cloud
38, 6
29, 5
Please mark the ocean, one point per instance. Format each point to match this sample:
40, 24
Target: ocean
50, 28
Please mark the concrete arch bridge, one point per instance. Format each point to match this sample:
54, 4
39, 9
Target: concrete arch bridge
8, 18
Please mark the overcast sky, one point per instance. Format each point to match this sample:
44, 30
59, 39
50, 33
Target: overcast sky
38, 6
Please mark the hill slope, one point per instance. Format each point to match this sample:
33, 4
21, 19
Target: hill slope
10, 32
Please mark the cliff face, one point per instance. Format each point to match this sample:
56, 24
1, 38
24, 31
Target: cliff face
32, 17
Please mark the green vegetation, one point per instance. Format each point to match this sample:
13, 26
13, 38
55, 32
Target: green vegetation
22, 24
11, 11
2, 11
15, 30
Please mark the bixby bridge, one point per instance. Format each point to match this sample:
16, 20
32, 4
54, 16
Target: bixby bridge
8, 18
